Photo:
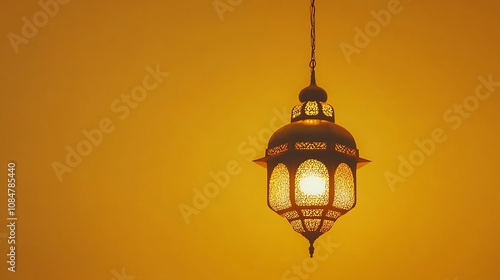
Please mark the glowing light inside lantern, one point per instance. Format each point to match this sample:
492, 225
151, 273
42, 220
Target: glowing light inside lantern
313, 185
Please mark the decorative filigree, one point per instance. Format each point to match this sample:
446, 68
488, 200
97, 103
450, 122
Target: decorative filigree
276, 150
312, 224
346, 150
327, 225
344, 187
296, 110
333, 214
312, 212
279, 188
291, 215
311, 184
327, 110
297, 226
310, 145
312, 108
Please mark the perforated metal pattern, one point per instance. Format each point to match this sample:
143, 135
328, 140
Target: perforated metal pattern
312, 108
310, 146
279, 188
312, 212
346, 150
311, 184
327, 225
296, 111
333, 214
344, 187
291, 215
312, 224
278, 149
327, 110
297, 226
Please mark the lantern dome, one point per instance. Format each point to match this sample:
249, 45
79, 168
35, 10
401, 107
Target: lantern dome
313, 131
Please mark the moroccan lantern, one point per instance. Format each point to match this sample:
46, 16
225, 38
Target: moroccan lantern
311, 163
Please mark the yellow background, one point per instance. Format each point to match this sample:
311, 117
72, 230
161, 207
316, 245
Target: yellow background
120, 207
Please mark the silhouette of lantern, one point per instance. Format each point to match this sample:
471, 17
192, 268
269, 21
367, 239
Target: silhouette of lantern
311, 164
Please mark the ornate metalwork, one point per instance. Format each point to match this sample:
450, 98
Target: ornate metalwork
296, 111
346, 150
312, 224
310, 146
279, 188
327, 225
312, 108
327, 110
333, 214
277, 150
312, 212
297, 226
311, 183
291, 215
345, 194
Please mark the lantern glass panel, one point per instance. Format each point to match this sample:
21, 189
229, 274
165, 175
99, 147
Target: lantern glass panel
312, 224
279, 188
344, 187
297, 226
333, 214
311, 184
327, 225
291, 215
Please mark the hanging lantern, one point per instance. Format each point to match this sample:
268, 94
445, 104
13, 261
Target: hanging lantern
311, 163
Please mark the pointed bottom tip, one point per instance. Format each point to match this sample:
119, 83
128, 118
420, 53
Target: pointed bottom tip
311, 249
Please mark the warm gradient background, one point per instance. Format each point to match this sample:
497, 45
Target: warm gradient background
120, 207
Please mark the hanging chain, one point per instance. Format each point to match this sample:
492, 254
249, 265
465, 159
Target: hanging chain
312, 63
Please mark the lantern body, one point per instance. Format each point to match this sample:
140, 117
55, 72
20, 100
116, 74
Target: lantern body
311, 167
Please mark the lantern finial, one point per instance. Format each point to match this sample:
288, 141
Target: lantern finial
311, 248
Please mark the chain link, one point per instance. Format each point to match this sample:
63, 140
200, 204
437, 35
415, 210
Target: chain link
312, 63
